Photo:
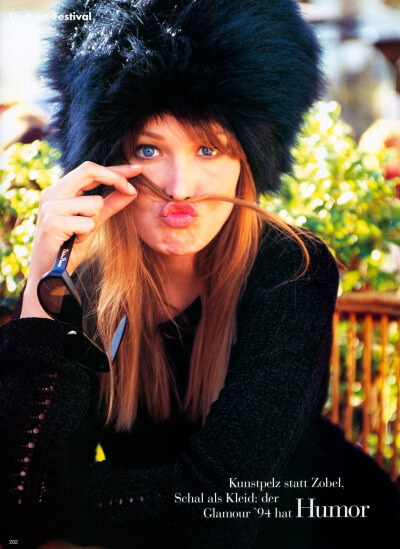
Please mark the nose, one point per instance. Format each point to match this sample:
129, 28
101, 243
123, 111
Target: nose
181, 183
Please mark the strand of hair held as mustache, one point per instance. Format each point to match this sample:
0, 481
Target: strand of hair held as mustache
144, 183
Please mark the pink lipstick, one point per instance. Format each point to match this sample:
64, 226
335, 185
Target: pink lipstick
178, 215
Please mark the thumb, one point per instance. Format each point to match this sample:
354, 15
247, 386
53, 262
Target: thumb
115, 202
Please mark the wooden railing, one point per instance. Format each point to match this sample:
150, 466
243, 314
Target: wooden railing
365, 377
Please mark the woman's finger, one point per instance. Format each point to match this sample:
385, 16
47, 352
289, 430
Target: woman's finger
60, 227
88, 176
95, 206
126, 169
82, 205
113, 203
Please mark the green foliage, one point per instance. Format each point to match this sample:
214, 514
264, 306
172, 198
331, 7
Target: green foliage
25, 171
339, 192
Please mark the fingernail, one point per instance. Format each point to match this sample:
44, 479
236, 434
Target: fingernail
131, 189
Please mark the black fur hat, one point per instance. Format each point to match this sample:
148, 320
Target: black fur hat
251, 65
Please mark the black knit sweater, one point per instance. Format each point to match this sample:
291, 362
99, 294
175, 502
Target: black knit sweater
265, 426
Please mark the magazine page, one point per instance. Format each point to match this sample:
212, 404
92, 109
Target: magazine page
199, 274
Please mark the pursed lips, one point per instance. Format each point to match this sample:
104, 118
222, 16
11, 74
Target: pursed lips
178, 215
173, 208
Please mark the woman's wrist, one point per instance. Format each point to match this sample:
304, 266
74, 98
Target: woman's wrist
30, 304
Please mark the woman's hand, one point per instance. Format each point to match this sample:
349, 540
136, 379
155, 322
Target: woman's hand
63, 211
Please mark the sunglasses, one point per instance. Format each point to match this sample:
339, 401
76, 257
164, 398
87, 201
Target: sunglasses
60, 299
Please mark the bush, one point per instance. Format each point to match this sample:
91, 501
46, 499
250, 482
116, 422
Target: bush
339, 192
26, 170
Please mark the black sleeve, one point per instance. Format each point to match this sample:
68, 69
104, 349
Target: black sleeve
276, 382
43, 403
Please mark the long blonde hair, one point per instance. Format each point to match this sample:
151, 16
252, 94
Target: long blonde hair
130, 280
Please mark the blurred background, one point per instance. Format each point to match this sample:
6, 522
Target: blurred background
344, 188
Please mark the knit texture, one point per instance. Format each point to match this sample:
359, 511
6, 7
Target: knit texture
265, 424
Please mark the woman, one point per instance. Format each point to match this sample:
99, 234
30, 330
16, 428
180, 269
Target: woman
183, 112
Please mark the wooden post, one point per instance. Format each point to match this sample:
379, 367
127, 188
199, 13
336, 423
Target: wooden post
381, 381
350, 374
366, 363
335, 369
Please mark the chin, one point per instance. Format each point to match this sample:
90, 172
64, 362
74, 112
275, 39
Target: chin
178, 250
180, 243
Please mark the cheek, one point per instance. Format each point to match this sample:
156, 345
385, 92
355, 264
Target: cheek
143, 214
228, 177
157, 171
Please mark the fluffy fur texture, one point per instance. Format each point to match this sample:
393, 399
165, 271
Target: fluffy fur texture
252, 65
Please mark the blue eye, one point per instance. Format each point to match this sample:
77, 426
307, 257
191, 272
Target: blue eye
208, 151
146, 151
